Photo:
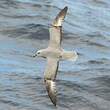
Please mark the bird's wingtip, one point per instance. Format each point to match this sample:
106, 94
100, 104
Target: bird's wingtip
60, 17
51, 89
65, 8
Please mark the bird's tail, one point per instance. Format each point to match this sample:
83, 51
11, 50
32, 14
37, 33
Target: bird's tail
51, 89
69, 55
60, 17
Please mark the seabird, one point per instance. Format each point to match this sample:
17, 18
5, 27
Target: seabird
54, 53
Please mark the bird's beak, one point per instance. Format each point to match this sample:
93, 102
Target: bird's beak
34, 55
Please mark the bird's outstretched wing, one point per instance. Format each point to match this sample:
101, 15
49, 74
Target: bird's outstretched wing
50, 76
56, 29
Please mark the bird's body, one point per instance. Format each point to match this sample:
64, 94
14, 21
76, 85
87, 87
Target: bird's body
51, 52
54, 53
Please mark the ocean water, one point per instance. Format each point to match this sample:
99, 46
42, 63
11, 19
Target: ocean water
81, 85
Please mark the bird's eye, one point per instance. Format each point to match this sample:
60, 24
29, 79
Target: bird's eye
38, 53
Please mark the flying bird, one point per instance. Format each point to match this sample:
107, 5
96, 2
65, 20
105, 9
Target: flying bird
54, 53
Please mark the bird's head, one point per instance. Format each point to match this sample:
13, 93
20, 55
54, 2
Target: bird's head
39, 53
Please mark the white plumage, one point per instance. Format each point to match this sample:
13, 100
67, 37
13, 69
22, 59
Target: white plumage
54, 53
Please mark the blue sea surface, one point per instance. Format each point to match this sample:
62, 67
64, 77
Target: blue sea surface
81, 85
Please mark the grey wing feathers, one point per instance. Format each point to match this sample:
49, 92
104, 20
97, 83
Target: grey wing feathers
49, 78
51, 68
56, 29
51, 89
55, 37
60, 17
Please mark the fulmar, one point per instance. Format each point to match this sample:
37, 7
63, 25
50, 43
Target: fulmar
55, 53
